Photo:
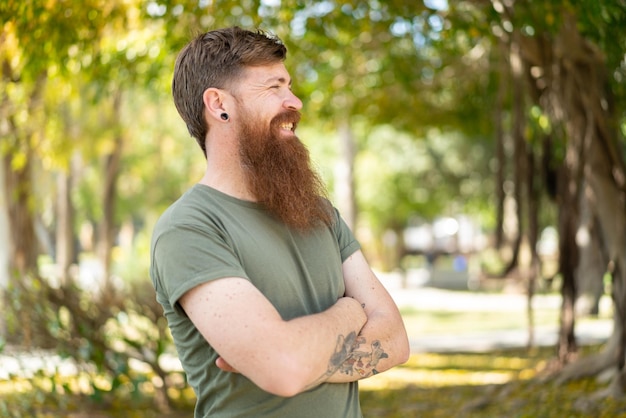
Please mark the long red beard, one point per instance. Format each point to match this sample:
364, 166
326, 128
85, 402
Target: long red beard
279, 173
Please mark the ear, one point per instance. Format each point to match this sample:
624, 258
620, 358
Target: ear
213, 103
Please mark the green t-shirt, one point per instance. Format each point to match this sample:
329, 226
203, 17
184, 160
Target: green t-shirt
207, 235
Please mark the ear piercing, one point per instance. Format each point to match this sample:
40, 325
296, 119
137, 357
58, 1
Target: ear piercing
224, 116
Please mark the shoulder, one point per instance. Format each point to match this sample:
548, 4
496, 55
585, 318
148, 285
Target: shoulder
348, 244
193, 211
192, 207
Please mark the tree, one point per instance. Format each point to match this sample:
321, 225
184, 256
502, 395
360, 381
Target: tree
35, 39
61, 61
571, 58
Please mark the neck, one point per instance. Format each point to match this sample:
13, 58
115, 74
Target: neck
224, 171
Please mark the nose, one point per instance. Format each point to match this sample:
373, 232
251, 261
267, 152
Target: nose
292, 101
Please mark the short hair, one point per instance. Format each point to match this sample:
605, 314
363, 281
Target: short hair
217, 59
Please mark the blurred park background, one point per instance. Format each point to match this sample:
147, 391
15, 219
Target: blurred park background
476, 147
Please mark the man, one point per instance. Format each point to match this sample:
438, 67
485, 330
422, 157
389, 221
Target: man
272, 306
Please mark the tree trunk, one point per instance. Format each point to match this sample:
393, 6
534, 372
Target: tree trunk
575, 95
23, 247
344, 175
568, 76
593, 264
569, 81
533, 236
568, 254
22, 239
592, 128
4, 249
500, 154
516, 234
608, 204
64, 254
107, 227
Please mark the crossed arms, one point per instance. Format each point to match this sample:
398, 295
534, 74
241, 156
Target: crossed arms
360, 335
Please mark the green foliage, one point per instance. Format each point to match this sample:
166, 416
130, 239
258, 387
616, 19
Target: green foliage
113, 341
414, 66
400, 177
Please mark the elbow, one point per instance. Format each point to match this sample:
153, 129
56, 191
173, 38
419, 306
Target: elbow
405, 352
401, 350
284, 390
283, 387
404, 348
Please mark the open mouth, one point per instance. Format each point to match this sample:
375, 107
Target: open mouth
286, 121
288, 126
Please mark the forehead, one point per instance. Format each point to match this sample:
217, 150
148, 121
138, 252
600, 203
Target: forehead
266, 74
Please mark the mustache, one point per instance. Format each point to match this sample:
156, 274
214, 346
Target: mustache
288, 116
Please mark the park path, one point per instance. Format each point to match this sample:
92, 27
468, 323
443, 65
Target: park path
419, 296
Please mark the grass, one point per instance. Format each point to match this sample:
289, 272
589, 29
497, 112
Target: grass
430, 385
498, 383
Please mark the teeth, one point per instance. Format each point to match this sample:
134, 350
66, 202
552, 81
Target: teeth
288, 126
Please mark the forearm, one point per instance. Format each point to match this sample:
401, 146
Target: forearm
304, 349
329, 336
381, 344
281, 357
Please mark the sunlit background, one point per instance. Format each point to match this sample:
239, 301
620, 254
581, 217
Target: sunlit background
475, 148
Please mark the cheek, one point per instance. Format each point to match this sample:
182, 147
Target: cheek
257, 117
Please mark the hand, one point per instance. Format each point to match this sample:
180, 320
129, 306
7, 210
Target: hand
356, 307
222, 364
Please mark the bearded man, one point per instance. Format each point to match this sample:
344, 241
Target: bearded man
264, 287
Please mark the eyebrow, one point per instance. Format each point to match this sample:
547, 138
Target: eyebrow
278, 79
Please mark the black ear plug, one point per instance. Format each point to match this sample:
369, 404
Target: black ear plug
224, 116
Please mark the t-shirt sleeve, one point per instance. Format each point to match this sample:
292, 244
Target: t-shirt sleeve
186, 256
348, 244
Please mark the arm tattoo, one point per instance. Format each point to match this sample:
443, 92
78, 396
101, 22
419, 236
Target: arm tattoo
347, 358
352, 355
342, 353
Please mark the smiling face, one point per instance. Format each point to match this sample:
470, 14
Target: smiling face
275, 162
265, 92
